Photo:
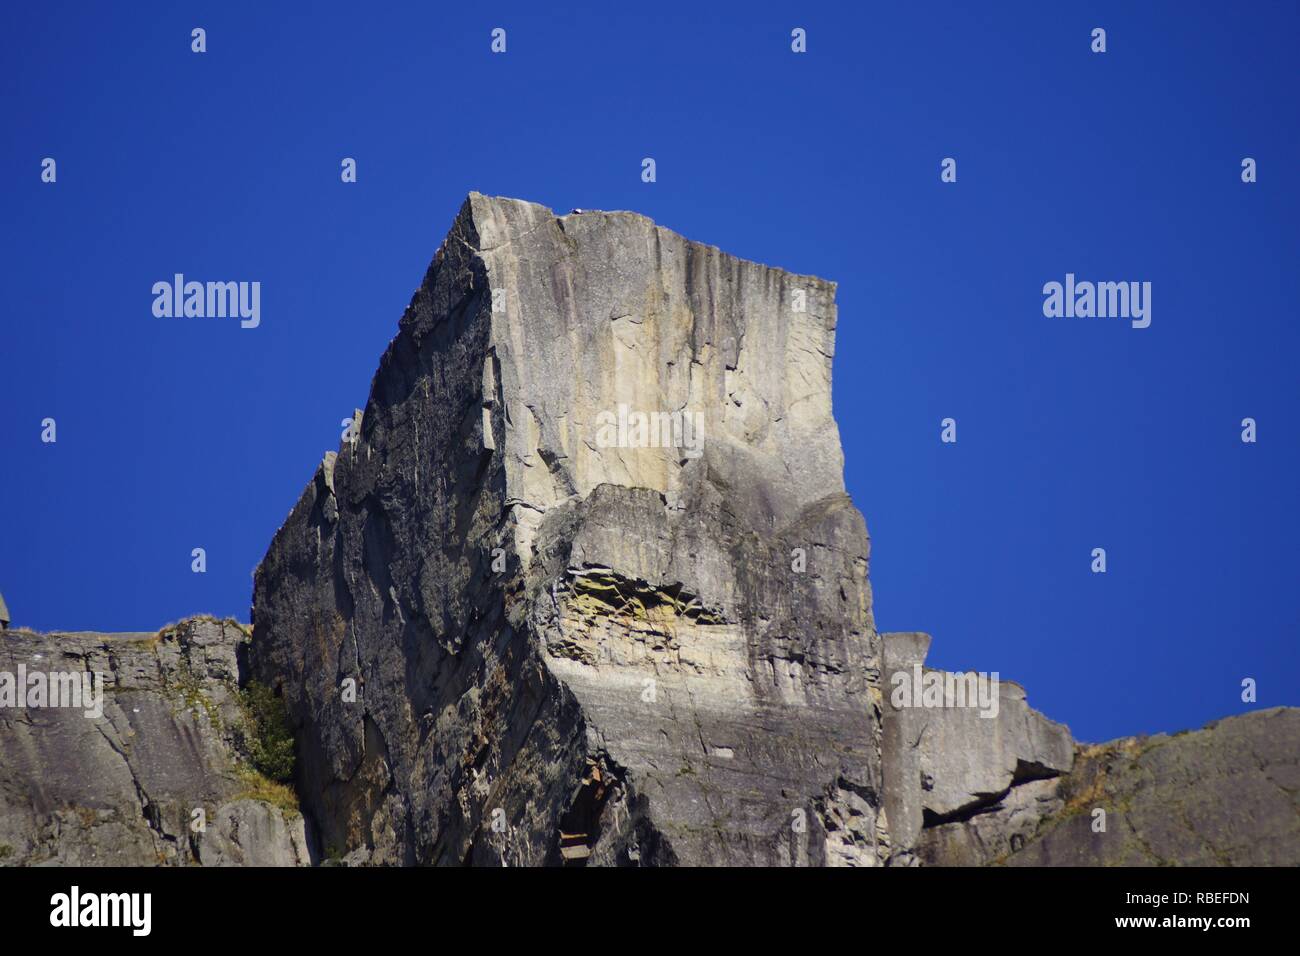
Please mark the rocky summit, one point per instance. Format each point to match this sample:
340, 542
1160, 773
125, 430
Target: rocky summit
573, 637
582, 586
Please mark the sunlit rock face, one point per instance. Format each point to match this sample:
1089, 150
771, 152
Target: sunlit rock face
584, 587
1225, 795
589, 566
150, 767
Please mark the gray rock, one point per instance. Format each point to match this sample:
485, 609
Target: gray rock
648, 679
902, 732
571, 650
993, 831
948, 757
968, 760
250, 832
1225, 795
512, 624
123, 788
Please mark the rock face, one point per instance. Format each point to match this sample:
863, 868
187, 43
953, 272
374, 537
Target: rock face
963, 790
584, 587
947, 764
1226, 795
573, 639
122, 788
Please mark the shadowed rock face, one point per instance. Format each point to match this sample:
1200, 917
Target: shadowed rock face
571, 645
122, 788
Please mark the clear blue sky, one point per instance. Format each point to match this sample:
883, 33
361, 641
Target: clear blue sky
1072, 434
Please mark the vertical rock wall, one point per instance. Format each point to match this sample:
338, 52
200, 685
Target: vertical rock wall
568, 648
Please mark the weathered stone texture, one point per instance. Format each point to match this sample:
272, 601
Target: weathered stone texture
948, 764
1225, 795
647, 622
567, 650
120, 789
508, 633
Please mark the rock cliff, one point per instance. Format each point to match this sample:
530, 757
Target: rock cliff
961, 790
589, 564
1225, 795
161, 775
582, 586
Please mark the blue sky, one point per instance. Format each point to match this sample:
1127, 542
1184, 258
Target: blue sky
1072, 433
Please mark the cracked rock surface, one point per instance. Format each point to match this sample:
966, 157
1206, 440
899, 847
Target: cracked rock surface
122, 788
520, 600
585, 588
949, 764
506, 639
1225, 795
